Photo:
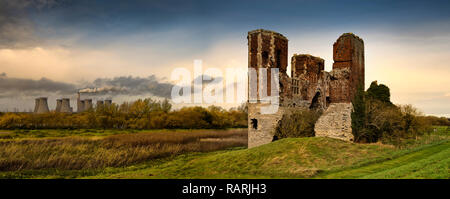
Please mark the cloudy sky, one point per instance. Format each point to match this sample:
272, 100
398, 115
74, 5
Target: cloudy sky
55, 47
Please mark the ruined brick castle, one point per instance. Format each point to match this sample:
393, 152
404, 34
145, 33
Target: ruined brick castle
308, 87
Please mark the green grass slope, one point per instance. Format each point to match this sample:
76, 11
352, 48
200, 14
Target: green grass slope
429, 161
286, 158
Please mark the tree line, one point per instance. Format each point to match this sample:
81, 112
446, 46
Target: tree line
140, 114
375, 117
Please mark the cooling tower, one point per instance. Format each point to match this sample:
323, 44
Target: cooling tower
87, 104
99, 103
42, 105
79, 104
58, 105
36, 105
108, 102
65, 106
81, 107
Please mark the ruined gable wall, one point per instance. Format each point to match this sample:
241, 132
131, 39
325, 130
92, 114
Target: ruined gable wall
307, 70
311, 79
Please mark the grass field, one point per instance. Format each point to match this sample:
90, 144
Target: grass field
427, 157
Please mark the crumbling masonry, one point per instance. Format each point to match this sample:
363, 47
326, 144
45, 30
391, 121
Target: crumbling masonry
309, 87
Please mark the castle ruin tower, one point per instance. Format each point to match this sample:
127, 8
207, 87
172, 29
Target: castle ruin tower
65, 106
42, 106
348, 56
266, 49
346, 76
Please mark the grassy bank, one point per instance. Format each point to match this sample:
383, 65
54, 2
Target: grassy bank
286, 158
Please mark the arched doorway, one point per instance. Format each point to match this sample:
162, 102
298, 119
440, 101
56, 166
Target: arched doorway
316, 102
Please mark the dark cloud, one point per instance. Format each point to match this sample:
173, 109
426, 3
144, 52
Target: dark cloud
12, 87
95, 22
16, 28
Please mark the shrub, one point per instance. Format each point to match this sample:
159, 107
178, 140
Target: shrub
297, 124
413, 124
379, 92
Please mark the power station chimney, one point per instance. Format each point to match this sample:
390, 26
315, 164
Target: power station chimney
65, 106
42, 105
58, 105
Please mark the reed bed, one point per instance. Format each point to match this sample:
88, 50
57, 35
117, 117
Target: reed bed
74, 153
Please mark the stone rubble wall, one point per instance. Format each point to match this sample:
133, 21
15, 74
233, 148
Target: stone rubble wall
335, 122
266, 124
